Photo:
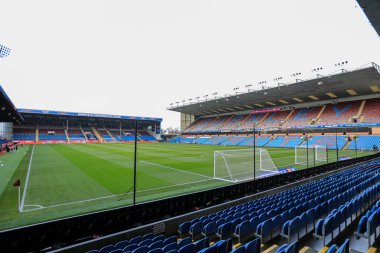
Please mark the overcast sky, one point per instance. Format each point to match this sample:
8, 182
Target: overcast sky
136, 57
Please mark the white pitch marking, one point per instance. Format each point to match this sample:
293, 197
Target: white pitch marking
170, 168
116, 195
26, 180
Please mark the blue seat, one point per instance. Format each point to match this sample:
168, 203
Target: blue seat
93, 251
135, 240
142, 249
253, 246
292, 248
122, 244
184, 241
225, 231
345, 247
130, 247
282, 248
196, 230
156, 245
189, 248
240, 249
201, 244
148, 236
332, 249
243, 230
107, 249
170, 240
211, 249
184, 229
158, 238
221, 246
146, 242
155, 251
117, 251
210, 229
171, 246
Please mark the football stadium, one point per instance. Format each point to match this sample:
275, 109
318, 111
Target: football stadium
284, 168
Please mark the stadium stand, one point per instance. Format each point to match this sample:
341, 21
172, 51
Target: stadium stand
290, 141
24, 133
75, 134
216, 140
325, 209
145, 136
365, 142
340, 113
275, 119
52, 135
235, 140
233, 122
250, 121
89, 133
303, 116
260, 141
105, 134
330, 141
371, 111
216, 124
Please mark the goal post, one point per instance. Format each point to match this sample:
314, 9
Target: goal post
240, 164
308, 154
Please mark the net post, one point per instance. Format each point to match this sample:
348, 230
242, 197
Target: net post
307, 151
254, 152
215, 164
327, 153
135, 166
314, 154
336, 146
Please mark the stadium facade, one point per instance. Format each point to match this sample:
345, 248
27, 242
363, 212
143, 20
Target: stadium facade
328, 110
30, 126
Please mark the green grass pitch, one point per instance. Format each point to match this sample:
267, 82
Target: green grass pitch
61, 180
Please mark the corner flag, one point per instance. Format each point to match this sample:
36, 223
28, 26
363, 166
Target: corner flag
17, 183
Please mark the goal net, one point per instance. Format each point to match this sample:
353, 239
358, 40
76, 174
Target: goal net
242, 164
308, 154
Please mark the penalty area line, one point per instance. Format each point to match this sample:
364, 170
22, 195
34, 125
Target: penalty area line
26, 181
170, 168
115, 195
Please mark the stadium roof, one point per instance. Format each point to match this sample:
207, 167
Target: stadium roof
371, 8
359, 82
8, 112
87, 115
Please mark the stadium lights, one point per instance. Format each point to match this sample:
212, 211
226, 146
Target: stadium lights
262, 82
197, 98
205, 97
4, 51
296, 75
316, 70
248, 86
236, 90
215, 95
278, 81
342, 65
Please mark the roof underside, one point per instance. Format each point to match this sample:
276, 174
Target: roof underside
371, 8
344, 85
8, 112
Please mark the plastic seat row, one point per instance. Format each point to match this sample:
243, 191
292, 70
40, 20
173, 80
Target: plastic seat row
336, 221
344, 248
224, 224
369, 225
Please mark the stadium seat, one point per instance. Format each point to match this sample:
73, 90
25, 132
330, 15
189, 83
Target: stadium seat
201, 244
253, 246
107, 249
189, 248
183, 242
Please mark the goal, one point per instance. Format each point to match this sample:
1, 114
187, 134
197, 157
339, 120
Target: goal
242, 164
304, 154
